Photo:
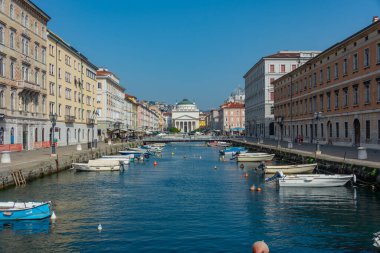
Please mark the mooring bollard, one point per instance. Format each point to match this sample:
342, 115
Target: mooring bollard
6, 157
362, 153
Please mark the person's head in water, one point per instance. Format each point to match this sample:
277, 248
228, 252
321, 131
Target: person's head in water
260, 247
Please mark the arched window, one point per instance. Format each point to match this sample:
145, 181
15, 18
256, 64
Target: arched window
11, 10
43, 134
23, 18
12, 100
36, 135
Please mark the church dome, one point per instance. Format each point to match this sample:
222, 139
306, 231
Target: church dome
185, 102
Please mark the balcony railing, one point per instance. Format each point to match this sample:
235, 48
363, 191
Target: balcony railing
29, 86
69, 119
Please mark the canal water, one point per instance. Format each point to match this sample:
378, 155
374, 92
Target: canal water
184, 204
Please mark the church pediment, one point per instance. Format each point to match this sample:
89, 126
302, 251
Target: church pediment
185, 117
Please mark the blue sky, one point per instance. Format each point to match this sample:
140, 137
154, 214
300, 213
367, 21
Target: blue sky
167, 50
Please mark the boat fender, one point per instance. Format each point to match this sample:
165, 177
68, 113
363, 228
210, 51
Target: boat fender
354, 177
258, 189
252, 188
53, 216
100, 228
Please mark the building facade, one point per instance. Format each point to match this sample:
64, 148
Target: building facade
110, 104
185, 116
71, 93
23, 116
259, 91
334, 97
232, 117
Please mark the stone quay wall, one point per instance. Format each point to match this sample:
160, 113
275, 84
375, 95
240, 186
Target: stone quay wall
51, 165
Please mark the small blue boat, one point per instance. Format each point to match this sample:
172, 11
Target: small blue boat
24, 210
232, 150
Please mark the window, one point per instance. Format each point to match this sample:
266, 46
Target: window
59, 110
378, 89
294, 66
321, 102
1, 5
25, 73
23, 18
328, 74
366, 57
2, 66
12, 40
378, 53
282, 68
43, 54
322, 130
12, 70
36, 52
27, 21
11, 10
36, 73
378, 129
336, 72
367, 129
59, 90
328, 100
345, 97
271, 68
355, 62
337, 129
336, 99
43, 80
355, 95
51, 108
345, 67
367, 92
51, 89
36, 27
25, 46
345, 129
1, 34
321, 76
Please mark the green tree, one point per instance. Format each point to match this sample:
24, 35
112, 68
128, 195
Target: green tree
174, 130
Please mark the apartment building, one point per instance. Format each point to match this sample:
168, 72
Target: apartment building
259, 91
23, 117
232, 117
71, 81
110, 103
334, 98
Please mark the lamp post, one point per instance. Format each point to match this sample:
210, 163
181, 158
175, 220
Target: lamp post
53, 119
317, 117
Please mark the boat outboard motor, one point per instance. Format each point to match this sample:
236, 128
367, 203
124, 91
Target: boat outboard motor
275, 177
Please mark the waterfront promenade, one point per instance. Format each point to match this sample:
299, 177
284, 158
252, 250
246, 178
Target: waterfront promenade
338, 151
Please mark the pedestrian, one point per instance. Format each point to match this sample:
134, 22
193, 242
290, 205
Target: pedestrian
260, 247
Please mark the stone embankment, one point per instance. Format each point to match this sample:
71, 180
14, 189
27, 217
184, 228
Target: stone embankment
46, 165
367, 172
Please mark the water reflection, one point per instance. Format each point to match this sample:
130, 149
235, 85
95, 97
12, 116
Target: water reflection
26, 226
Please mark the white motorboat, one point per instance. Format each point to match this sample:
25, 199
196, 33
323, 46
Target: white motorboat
376, 240
313, 180
290, 169
254, 157
124, 159
99, 165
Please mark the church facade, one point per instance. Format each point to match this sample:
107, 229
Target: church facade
185, 116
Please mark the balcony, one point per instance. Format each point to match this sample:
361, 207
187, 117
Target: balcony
90, 121
26, 85
69, 119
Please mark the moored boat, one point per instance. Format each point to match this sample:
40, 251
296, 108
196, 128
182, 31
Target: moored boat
99, 165
231, 151
254, 157
313, 180
290, 169
25, 210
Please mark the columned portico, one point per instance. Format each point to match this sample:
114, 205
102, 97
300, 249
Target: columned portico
185, 116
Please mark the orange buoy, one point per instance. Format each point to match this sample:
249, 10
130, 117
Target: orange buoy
258, 189
246, 174
155, 163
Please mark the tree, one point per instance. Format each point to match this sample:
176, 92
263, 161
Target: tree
174, 130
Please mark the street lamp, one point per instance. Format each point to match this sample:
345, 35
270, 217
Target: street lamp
53, 119
317, 117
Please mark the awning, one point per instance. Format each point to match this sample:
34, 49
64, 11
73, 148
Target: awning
237, 129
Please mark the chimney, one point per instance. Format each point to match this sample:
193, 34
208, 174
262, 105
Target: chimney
375, 19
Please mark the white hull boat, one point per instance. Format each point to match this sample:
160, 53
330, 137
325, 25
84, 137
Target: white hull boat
99, 165
125, 160
254, 157
290, 169
314, 180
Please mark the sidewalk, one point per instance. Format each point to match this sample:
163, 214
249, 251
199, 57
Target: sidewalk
337, 151
29, 156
